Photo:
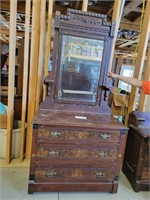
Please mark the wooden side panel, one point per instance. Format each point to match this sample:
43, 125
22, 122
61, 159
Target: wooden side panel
117, 12
11, 81
85, 5
41, 53
33, 72
25, 78
48, 43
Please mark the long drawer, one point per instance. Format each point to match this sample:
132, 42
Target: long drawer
105, 137
74, 173
69, 152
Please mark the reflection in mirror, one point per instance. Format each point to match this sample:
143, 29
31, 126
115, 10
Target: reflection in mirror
79, 68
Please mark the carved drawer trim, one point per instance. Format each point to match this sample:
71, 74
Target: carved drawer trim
101, 136
73, 174
77, 153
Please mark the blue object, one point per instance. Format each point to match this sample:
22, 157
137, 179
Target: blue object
3, 110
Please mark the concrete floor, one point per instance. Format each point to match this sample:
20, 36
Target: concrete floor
14, 186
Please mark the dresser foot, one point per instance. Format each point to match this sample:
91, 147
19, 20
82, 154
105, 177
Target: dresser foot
30, 189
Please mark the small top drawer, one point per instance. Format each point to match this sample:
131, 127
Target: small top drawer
98, 136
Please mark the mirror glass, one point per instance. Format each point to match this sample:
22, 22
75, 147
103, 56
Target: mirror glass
79, 68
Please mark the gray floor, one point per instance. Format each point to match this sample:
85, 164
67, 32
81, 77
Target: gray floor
14, 184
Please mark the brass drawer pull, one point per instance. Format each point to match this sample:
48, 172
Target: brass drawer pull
103, 154
55, 134
53, 153
51, 174
100, 174
105, 136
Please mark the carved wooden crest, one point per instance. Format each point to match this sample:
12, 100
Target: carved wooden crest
84, 22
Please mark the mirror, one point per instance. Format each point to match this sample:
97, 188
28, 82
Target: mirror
80, 66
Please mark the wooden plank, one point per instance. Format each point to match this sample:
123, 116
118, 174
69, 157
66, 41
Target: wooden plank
6, 32
3, 21
119, 64
41, 52
127, 49
4, 4
140, 57
129, 26
117, 13
4, 39
109, 12
144, 98
128, 43
147, 109
124, 40
129, 56
137, 9
77, 5
48, 42
25, 78
11, 78
131, 6
33, 72
20, 66
85, 5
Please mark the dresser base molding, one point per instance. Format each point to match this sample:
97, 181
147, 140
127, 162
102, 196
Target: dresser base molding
72, 187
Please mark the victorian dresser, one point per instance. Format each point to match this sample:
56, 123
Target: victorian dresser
136, 162
77, 145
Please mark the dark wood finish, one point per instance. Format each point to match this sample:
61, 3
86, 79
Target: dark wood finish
20, 67
136, 162
83, 25
77, 145
138, 118
69, 154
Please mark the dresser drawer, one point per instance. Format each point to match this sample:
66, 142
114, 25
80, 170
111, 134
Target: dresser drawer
80, 173
67, 153
69, 135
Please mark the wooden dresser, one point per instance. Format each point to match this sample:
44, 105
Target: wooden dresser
77, 144
136, 162
70, 153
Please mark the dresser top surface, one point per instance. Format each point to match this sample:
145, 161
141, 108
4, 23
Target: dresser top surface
78, 116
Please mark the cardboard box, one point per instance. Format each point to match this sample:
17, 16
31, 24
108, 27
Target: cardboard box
3, 121
118, 103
